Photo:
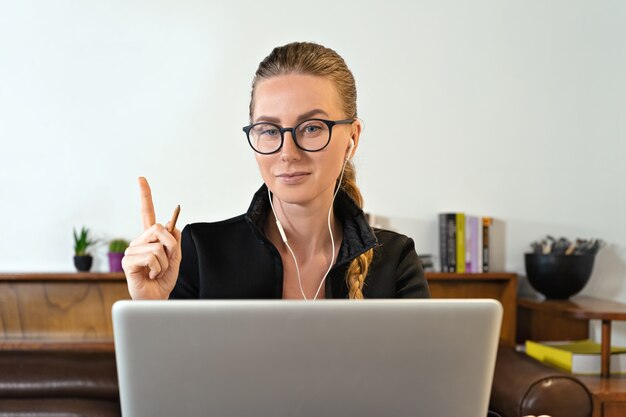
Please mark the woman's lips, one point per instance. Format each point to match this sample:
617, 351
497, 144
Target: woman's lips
292, 177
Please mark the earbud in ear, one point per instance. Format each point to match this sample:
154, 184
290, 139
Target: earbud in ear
349, 154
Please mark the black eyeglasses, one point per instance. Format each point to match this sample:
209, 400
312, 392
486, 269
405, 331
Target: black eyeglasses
311, 135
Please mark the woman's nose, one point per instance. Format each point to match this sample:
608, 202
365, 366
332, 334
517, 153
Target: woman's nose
289, 151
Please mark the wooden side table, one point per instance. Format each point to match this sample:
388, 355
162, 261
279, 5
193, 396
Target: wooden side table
569, 320
575, 312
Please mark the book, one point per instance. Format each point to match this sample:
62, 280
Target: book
451, 236
460, 242
447, 242
578, 357
472, 232
443, 243
468, 244
487, 222
479, 244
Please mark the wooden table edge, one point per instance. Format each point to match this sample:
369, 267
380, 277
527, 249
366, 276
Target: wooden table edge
57, 345
496, 276
613, 311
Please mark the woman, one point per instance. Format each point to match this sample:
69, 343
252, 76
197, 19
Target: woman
304, 235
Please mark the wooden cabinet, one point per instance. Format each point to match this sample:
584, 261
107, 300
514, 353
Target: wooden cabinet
497, 285
62, 310
59, 310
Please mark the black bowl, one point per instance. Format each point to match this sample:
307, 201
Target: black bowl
558, 276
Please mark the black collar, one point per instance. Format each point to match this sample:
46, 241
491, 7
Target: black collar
358, 236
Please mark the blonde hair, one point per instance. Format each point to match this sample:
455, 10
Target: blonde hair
315, 59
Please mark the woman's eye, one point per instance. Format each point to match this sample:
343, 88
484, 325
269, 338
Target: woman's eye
311, 129
271, 132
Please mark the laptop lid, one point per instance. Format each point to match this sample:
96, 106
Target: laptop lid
293, 358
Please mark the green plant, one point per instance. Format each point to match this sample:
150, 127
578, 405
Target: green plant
82, 242
118, 246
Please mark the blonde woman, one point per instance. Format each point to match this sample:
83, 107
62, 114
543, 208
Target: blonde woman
304, 235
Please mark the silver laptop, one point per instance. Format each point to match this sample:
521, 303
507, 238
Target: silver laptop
372, 358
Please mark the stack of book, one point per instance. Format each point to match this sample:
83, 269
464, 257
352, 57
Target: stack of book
578, 357
464, 242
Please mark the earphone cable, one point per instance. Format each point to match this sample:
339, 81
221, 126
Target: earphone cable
330, 230
332, 238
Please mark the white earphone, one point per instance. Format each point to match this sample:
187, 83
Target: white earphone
349, 155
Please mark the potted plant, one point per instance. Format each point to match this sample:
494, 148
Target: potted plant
82, 242
116, 253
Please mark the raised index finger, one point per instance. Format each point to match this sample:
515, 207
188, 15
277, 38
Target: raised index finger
147, 208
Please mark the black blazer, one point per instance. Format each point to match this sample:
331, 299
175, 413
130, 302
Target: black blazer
233, 259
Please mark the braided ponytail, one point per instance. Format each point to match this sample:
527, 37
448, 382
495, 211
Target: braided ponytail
358, 268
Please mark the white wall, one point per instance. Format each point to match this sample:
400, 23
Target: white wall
515, 109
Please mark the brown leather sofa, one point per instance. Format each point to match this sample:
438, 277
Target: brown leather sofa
523, 386
46, 384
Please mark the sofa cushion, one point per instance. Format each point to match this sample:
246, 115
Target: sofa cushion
62, 374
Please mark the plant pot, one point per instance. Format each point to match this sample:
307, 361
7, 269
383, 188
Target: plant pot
83, 262
558, 276
115, 261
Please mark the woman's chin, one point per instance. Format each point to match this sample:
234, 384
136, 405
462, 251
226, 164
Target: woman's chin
292, 196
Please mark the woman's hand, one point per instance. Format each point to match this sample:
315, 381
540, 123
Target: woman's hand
152, 260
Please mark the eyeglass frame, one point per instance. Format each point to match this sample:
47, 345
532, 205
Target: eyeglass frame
282, 130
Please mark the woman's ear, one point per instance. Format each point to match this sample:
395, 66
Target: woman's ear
355, 134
